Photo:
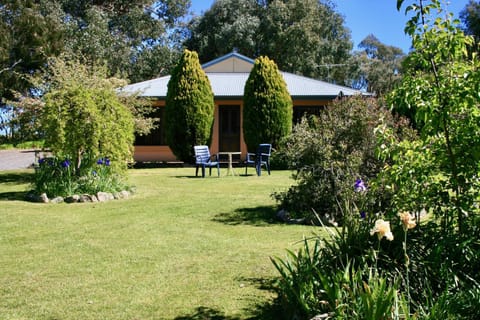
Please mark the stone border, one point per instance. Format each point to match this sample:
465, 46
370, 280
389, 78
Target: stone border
99, 197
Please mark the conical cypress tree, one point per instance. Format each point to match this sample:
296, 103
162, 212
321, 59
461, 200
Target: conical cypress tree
267, 105
189, 111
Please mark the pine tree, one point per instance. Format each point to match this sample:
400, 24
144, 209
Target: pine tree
189, 111
267, 105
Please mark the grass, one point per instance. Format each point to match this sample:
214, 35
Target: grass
180, 248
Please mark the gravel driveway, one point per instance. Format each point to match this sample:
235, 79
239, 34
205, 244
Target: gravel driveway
16, 159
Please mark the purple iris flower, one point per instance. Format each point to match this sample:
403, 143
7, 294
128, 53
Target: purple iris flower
359, 186
107, 162
100, 161
66, 163
363, 215
42, 160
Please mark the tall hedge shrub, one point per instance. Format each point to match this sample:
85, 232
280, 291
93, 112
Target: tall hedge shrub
189, 111
267, 105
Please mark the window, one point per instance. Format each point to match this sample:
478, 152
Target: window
156, 137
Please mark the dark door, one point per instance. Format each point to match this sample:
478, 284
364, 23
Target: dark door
229, 128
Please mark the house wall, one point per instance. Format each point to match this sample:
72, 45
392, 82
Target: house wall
165, 154
230, 65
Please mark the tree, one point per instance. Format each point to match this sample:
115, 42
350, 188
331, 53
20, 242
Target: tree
189, 107
380, 65
226, 26
441, 88
84, 120
470, 17
305, 37
267, 105
27, 39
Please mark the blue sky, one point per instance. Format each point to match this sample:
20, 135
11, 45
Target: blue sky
364, 17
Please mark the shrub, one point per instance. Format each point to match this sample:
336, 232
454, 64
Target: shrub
83, 120
189, 107
267, 106
330, 152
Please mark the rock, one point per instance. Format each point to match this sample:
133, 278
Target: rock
122, 195
104, 196
85, 198
72, 199
57, 200
43, 198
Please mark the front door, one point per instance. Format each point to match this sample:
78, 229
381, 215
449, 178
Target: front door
229, 128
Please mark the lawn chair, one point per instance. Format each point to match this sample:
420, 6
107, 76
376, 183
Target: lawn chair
204, 159
259, 158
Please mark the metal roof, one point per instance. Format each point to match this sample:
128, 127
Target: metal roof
231, 85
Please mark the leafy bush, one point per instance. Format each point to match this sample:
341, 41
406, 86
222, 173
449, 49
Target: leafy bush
57, 177
83, 120
330, 152
347, 275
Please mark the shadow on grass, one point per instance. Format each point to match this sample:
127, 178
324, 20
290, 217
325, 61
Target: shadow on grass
266, 311
257, 216
15, 178
204, 313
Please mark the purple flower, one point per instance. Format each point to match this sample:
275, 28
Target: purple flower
66, 163
359, 186
42, 160
107, 162
100, 161
363, 215
94, 173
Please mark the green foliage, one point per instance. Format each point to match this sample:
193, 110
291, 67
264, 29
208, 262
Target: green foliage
338, 277
27, 39
330, 152
380, 66
84, 120
57, 177
267, 105
228, 25
470, 17
441, 91
304, 37
189, 107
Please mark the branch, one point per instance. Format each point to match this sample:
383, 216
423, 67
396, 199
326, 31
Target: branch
11, 67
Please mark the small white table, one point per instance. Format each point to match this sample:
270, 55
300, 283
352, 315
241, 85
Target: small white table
230, 170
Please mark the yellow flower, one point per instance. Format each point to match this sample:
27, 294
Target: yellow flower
408, 220
382, 229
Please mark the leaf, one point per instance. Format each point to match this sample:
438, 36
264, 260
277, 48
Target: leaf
399, 4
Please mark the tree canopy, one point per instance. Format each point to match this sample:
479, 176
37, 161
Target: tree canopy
305, 37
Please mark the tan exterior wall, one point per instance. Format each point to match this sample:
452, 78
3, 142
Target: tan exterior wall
164, 153
230, 65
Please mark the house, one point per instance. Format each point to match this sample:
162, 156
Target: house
228, 75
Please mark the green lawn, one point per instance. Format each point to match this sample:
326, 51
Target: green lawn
180, 248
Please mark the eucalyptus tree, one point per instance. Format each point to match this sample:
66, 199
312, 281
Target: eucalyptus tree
380, 66
306, 37
302, 36
470, 16
228, 25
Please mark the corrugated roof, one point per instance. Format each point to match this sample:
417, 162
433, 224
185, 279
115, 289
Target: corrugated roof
231, 85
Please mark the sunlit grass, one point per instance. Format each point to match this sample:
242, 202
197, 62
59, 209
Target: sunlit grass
180, 248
